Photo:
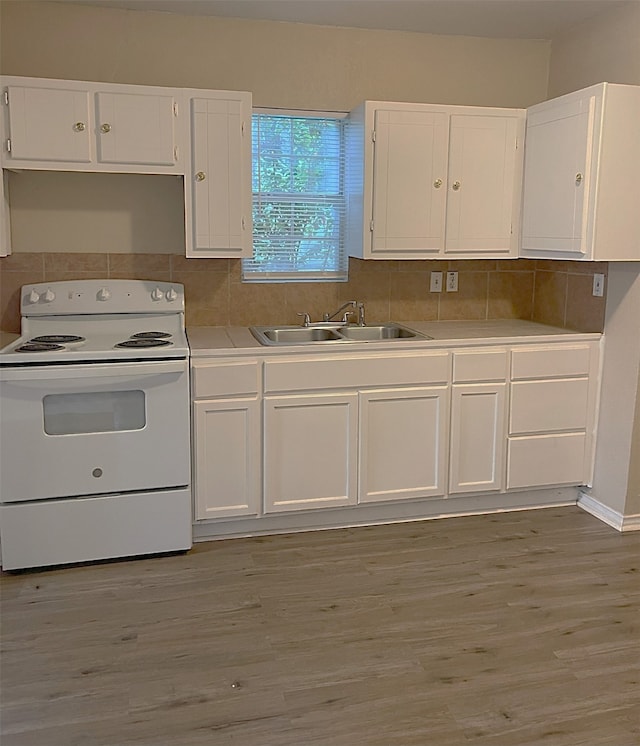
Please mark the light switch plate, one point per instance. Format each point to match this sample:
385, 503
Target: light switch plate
435, 285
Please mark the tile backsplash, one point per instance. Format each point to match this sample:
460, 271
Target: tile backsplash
552, 292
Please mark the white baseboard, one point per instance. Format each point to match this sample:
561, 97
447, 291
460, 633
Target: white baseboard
608, 515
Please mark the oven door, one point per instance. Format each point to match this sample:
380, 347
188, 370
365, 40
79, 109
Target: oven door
74, 430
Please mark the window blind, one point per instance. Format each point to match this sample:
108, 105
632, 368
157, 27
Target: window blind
299, 210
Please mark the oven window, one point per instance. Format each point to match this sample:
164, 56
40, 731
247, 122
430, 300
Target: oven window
95, 412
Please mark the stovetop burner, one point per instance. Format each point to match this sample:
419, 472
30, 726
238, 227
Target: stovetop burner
150, 335
143, 343
39, 347
58, 338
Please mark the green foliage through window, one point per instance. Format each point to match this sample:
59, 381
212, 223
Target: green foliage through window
298, 199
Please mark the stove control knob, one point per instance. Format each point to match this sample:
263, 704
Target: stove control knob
171, 295
34, 297
104, 294
48, 295
157, 294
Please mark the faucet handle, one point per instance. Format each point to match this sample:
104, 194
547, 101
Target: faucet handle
306, 320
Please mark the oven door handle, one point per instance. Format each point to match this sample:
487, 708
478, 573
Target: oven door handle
94, 371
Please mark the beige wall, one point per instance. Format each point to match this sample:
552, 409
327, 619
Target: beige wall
604, 48
283, 64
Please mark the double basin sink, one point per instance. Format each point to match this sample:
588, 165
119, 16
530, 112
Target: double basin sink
333, 334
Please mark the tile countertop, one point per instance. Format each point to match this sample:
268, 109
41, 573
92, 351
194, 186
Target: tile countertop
216, 341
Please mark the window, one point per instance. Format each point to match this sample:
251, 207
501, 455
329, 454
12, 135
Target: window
298, 199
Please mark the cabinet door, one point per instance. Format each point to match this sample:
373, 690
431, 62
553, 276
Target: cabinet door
226, 458
310, 451
557, 178
49, 124
220, 181
477, 437
136, 128
402, 443
409, 183
482, 185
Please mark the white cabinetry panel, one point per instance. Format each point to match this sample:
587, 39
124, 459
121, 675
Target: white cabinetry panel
544, 460
69, 125
409, 173
580, 197
50, 124
219, 222
136, 128
310, 451
544, 406
477, 437
226, 458
402, 437
430, 181
481, 198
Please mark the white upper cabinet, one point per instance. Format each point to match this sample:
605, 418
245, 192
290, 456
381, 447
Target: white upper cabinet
218, 183
580, 198
136, 128
429, 181
68, 125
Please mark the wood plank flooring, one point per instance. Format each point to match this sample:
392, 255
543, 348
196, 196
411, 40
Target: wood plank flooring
501, 630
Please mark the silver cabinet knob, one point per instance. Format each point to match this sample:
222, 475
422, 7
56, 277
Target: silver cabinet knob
579, 178
105, 128
437, 183
79, 126
201, 176
456, 186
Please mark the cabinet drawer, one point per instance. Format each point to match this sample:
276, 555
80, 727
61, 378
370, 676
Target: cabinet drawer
558, 361
543, 460
479, 365
541, 406
352, 372
225, 379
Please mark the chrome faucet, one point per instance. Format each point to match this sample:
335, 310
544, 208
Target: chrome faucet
361, 319
306, 320
345, 318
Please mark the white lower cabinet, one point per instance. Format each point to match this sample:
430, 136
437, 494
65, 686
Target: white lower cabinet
477, 437
402, 432
227, 458
289, 434
227, 438
552, 413
478, 411
310, 451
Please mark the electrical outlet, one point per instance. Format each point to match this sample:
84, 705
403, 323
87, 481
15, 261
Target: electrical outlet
598, 285
435, 285
452, 282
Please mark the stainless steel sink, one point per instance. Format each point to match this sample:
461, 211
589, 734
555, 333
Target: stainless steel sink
381, 331
333, 334
289, 335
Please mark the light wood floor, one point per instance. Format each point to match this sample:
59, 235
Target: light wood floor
503, 630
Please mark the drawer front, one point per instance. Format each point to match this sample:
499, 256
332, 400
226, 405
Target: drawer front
225, 379
558, 361
545, 460
479, 365
351, 372
543, 406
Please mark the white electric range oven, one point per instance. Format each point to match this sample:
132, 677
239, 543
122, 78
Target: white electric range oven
94, 424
